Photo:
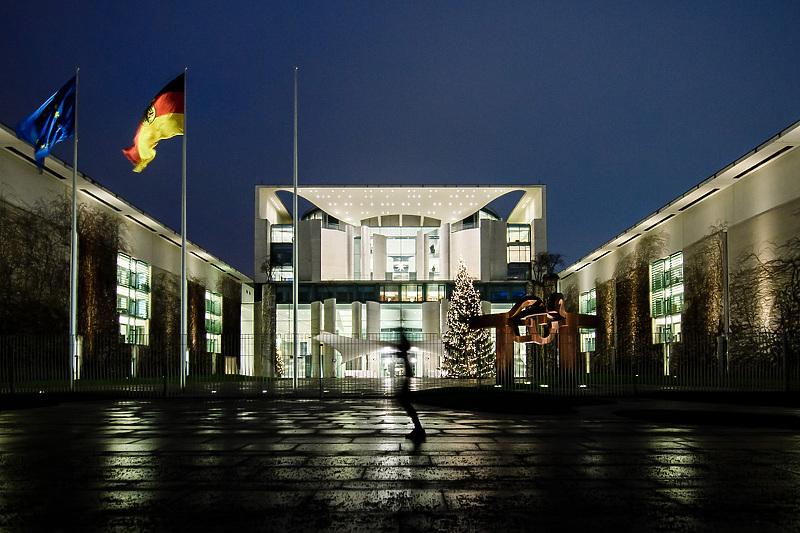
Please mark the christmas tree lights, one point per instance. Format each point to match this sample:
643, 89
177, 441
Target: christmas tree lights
468, 352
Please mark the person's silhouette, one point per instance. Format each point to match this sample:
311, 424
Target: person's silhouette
417, 435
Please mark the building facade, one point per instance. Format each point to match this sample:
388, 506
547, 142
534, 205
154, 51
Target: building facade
373, 259
128, 278
716, 265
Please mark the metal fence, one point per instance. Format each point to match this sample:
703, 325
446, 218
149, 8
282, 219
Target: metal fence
368, 367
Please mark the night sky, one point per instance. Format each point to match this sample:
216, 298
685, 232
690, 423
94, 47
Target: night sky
618, 107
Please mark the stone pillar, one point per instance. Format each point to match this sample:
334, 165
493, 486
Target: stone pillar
444, 251
330, 357
426, 258
355, 332
419, 256
316, 327
429, 361
444, 307
374, 333
379, 257
365, 247
350, 232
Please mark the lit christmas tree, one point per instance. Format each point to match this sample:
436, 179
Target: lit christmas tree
468, 352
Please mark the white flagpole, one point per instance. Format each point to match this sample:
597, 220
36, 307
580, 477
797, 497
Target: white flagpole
184, 300
296, 344
73, 263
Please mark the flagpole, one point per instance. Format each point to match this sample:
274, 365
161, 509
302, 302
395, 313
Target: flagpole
184, 300
73, 263
296, 344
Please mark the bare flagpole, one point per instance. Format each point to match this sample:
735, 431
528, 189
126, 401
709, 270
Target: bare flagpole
73, 263
184, 299
294, 245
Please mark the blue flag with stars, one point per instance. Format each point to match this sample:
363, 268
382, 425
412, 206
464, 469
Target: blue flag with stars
54, 121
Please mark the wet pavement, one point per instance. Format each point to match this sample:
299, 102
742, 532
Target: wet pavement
344, 465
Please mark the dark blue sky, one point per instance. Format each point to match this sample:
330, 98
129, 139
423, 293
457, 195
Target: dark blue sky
618, 107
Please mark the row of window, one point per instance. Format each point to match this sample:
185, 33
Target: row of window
133, 305
666, 302
401, 250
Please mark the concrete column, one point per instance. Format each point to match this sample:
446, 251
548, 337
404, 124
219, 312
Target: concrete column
420, 255
350, 232
316, 327
379, 257
444, 251
309, 258
374, 333
426, 264
355, 331
539, 226
493, 250
429, 362
365, 247
329, 356
444, 307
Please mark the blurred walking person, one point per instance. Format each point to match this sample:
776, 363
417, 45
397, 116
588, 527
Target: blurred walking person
417, 435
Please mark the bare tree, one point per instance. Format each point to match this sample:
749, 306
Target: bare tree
545, 264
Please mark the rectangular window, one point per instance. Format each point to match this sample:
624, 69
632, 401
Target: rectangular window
518, 239
390, 293
435, 292
666, 298
401, 256
588, 306
281, 233
588, 303
280, 252
213, 317
133, 299
411, 292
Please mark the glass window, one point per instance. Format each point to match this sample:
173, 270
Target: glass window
213, 318
411, 292
390, 293
588, 304
401, 256
518, 237
436, 291
133, 299
518, 233
666, 298
281, 233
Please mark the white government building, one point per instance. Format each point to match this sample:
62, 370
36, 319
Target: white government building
375, 258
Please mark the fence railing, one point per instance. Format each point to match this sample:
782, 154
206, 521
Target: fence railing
334, 365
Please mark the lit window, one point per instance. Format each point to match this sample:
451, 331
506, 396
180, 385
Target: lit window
518, 239
666, 298
213, 317
133, 299
435, 292
588, 306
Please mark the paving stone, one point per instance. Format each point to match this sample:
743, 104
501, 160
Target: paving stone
343, 464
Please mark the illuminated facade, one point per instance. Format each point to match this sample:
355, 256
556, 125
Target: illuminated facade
149, 256
372, 259
690, 253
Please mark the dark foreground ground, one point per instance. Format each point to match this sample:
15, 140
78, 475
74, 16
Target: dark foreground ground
631, 464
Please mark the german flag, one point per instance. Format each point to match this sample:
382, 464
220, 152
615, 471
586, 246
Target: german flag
162, 119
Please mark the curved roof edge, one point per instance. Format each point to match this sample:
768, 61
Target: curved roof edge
774, 147
448, 203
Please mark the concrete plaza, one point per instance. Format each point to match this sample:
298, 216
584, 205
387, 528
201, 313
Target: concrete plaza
182, 464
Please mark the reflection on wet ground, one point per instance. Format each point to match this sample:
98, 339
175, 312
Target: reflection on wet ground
344, 465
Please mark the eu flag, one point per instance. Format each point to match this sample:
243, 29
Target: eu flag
54, 121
